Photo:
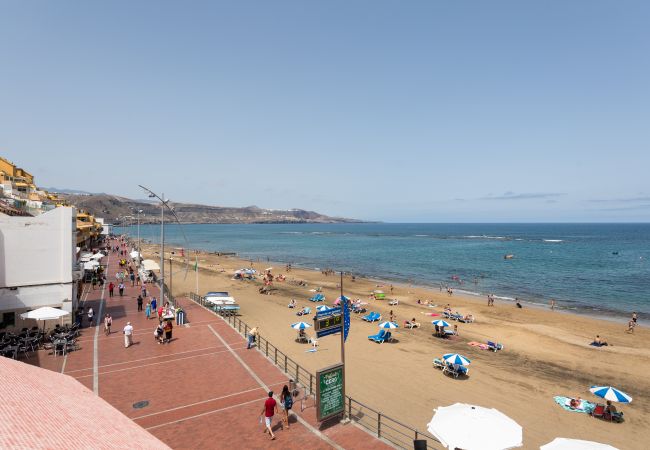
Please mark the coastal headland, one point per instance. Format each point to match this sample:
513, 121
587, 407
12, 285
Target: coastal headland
546, 354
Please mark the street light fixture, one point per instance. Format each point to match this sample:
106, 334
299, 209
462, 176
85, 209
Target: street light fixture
163, 204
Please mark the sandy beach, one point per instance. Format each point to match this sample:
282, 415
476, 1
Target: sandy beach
547, 353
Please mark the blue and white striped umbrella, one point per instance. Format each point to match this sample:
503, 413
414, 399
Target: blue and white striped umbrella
300, 325
610, 393
440, 323
388, 325
455, 358
322, 308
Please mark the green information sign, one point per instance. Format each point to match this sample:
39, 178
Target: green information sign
330, 392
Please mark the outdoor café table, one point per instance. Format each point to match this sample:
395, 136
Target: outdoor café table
58, 342
11, 350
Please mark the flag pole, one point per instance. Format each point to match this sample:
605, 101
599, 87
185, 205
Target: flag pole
196, 271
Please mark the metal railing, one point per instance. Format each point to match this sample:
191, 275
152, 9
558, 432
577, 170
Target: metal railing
377, 423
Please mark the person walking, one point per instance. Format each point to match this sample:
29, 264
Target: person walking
147, 310
132, 276
108, 321
252, 336
153, 304
139, 303
144, 290
94, 281
111, 287
91, 315
120, 287
128, 335
168, 330
270, 408
287, 402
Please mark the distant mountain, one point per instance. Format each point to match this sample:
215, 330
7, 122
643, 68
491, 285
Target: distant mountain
54, 190
114, 208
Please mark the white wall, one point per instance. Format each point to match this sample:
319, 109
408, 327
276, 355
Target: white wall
37, 250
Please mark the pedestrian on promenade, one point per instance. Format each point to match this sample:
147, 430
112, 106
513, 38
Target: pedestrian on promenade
128, 335
120, 287
111, 287
91, 314
144, 291
153, 305
137, 279
147, 310
270, 408
132, 275
160, 314
252, 336
108, 321
287, 402
139, 303
168, 330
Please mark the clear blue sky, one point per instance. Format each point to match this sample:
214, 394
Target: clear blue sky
397, 111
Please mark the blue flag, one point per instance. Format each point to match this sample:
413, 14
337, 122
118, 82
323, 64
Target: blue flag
346, 319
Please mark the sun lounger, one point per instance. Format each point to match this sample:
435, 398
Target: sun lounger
600, 412
380, 335
439, 363
386, 337
317, 298
372, 317
304, 311
450, 332
455, 370
393, 302
469, 319
494, 346
456, 316
446, 314
411, 325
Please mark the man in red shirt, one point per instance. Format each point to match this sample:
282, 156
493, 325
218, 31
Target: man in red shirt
270, 408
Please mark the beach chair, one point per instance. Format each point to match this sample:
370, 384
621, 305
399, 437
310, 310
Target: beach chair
393, 302
456, 316
439, 363
358, 309
372, 317
455, 370
375, 318
317, 298
379, 335
598, 412
446, 314
469, 319
450, 333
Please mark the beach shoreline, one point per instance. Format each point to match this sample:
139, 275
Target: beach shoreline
547, 353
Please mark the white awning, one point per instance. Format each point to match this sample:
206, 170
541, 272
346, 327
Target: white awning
150, 264
135, 254
97, 256
91, 265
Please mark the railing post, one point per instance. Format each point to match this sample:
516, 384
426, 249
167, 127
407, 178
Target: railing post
285, 363
378, 424
239, 327
267, 348
311, 383
350, 408
297, 373
275, 359
245, 330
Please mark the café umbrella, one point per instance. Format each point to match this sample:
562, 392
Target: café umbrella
300, 325
475, 428
440, 323
322, 308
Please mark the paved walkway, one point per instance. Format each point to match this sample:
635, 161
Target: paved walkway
204, 390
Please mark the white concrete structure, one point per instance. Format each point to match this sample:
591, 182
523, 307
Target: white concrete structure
37, 259
107, 228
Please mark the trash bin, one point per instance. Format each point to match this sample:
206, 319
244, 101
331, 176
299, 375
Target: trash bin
180, 317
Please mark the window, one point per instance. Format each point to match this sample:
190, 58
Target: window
8, 319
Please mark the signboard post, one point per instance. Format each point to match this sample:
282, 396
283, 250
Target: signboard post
330, 392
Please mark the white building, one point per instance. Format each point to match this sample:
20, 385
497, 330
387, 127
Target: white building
107, 228
37, 260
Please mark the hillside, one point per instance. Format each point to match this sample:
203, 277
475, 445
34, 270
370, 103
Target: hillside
114, 208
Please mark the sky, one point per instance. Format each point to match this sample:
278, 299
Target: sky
431, 111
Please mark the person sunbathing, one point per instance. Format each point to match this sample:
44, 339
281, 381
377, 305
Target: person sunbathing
469, 318
575, 403
411, 323
292, 303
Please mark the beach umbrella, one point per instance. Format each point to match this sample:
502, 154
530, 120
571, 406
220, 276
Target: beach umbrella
610, 393
45, 313
342, 298
300, 325
575, 444
440, 323
473, 427
455, 358
322, 308
388, 325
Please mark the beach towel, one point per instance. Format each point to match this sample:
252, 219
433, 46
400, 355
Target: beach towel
479, 345
430, 314
585, 406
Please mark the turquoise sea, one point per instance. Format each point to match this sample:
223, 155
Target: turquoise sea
601, 269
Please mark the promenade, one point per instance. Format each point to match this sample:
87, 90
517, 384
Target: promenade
204, 390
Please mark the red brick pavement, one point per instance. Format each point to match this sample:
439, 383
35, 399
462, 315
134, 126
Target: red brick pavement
201, 396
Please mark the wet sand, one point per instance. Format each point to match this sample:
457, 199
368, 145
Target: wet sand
546, 352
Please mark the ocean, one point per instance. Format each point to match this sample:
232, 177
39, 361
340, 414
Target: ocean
601, 269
